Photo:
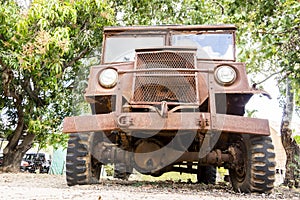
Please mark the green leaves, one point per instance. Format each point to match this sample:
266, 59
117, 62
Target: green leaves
156, 12
42, 46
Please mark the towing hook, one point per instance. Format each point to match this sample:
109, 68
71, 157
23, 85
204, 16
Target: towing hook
163, 112
203, 121
125, 121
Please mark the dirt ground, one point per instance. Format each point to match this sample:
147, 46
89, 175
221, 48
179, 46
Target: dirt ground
44, 186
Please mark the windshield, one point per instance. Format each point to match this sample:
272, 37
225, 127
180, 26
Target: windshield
122, 49
209, 46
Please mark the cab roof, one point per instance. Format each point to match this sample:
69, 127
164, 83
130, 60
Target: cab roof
171, 28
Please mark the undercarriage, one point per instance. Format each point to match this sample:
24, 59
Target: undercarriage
159, 154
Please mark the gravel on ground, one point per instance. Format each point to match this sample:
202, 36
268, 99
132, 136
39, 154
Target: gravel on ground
45, 187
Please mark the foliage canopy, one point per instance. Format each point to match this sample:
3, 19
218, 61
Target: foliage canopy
40, 54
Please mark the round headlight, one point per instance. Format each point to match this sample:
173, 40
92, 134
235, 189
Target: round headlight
108, 78
225, 74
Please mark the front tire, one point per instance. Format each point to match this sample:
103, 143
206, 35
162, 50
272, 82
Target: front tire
81, 167
256, 171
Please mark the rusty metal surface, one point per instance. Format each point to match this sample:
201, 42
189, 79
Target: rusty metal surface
214, 158
171, 27
126, 71
174, 121
166, 59
166, 32
240, 85
89, 123
242, 125
165, 85
94, 88
172, 75
147, 157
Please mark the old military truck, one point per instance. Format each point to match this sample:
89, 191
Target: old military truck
170, 98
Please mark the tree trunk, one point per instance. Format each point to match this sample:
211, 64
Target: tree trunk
292, 150
12, 160
13, 154
15, 149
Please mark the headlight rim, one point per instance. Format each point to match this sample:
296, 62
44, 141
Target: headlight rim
113, 83
226, 83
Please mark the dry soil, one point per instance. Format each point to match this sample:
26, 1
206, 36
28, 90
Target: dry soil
44, 186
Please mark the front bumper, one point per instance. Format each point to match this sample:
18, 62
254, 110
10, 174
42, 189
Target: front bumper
174, 121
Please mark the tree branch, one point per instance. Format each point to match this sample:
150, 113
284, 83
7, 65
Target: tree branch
279, 33
14, 139
32, 94
27, 142
80, 55
254, 85
222, 7
3, 65
7, 77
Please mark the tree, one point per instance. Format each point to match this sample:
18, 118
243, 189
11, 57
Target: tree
157, 12
40, 53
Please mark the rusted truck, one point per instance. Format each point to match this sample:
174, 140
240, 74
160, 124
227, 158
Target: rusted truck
170, 98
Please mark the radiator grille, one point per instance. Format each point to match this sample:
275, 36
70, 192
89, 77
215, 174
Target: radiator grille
165, 85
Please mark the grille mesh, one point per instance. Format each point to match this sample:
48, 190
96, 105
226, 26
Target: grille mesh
164, 85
